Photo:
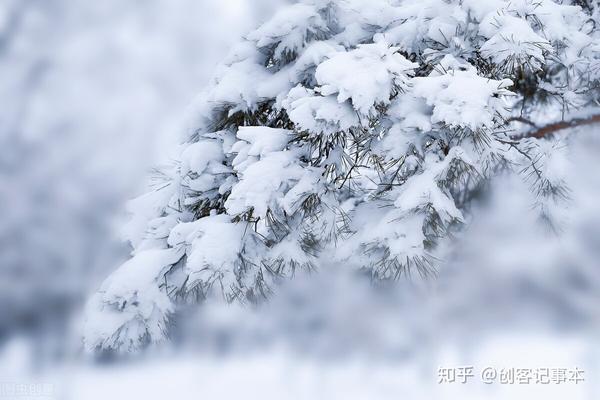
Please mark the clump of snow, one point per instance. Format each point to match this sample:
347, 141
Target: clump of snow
130, 310
319, 114
512, 43
368, 75
463, 98
289, 29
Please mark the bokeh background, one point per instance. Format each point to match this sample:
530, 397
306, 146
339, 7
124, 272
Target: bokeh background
93, 95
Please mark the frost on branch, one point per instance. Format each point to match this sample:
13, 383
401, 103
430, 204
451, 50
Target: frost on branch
355, 132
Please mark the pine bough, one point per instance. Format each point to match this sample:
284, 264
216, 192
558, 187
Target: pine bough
354, 132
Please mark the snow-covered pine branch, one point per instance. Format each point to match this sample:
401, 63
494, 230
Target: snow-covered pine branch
350, 131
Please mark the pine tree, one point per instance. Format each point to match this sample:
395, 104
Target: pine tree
355, 132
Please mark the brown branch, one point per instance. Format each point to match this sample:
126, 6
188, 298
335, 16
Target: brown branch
555, 127
522, 120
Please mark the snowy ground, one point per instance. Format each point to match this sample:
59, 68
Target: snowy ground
281, 375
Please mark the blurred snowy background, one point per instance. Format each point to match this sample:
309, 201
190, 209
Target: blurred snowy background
91, 91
